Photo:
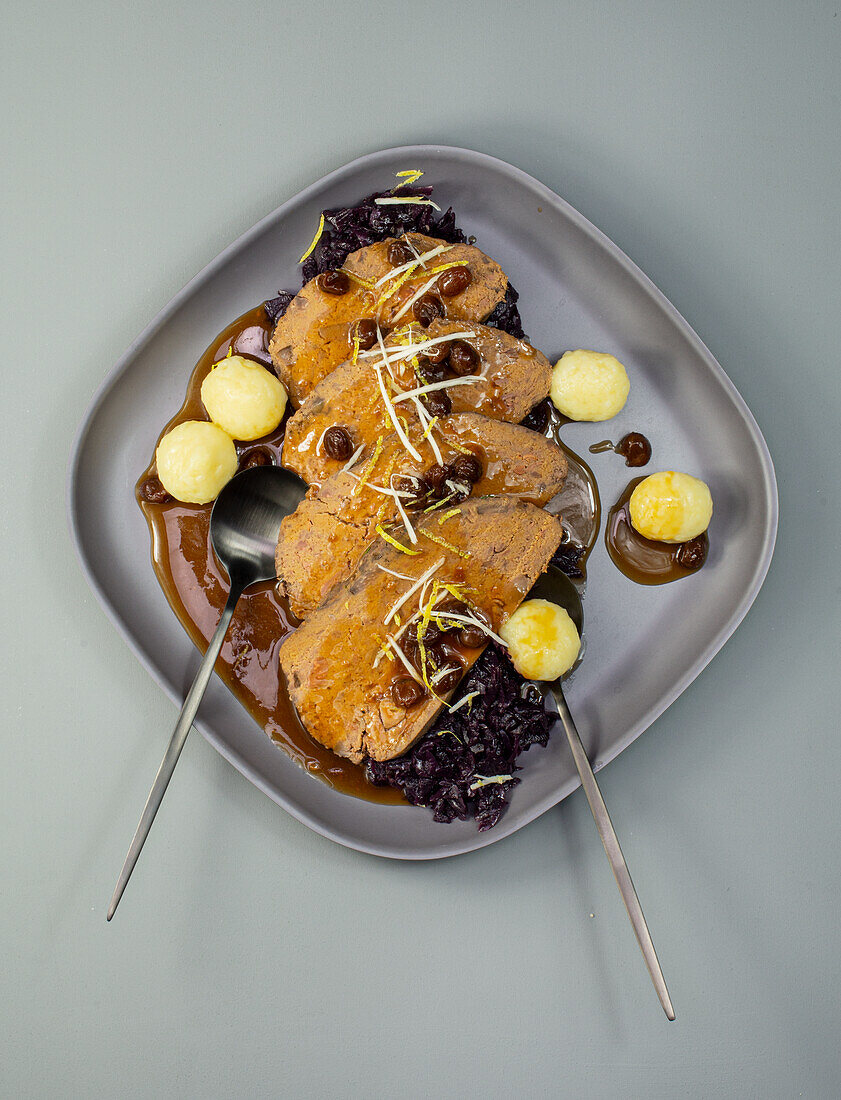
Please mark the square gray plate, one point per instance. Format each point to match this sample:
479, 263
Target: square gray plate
577, 290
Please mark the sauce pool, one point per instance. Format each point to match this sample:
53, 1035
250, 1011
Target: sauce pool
642, 559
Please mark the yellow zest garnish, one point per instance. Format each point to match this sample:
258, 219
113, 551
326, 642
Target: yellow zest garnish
448, 515
443, 542
230, 351
446, 267
458, 447
387, 651
315, 240
429, 426
393, 541
355, 355
439, 504
407, 178
414, 200
395, 286
383, 508
369, 468
358, 279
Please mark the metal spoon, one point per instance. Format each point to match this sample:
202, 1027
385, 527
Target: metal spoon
244, 527
556, 587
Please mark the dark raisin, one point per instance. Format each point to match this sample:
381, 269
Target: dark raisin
467, 468
257, 456
427, 308
366, 332
634, 448
463, 358
337, 443
153, 491
693, 554
435, 477
437, 403
457, 491
449, 680
410, 483
432, 633
471, 637
438, 352
399, 253
431, 371
454, 281
334, 282
406, 693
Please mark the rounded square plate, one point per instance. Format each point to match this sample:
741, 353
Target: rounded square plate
577, 289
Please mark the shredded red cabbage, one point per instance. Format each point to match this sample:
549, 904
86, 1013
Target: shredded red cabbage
348, 228
481, 739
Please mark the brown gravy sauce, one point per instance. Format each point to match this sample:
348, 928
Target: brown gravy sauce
578, 502
196, 587
643, 560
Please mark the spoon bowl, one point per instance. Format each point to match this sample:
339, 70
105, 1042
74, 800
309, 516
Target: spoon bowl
246, 517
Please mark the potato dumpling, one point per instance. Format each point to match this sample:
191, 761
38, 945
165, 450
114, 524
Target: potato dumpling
589, 385
542, 640
243, 398
671, 507
195, 460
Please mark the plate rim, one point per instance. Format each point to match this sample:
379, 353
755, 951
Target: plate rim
705, 656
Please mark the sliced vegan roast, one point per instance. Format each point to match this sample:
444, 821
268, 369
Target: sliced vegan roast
393, 281
341, 665
387, 389
321, 543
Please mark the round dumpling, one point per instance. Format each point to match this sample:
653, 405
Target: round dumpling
589, 385
195, 460
542, 640
243, 398
671, 507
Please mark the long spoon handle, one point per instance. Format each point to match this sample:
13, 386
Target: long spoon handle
176, 744
614, 853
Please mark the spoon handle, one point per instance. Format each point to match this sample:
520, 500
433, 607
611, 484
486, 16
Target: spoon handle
176, 744
614, 853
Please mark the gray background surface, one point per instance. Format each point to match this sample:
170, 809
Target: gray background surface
250, 956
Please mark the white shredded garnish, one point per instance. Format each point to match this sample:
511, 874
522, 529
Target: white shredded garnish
464, 699
410, 531
408, 200
404, 351
419, 294
407, 394
442, 672
426, 255
428, 424
420, 582
395, 493
419, 259
394, 572
354, 458
487, 780
402, 656
451, 616
398, 427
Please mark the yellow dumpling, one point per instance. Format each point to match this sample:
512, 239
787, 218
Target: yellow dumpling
671, 507
243, 398
195, 460
589, 385
542, 640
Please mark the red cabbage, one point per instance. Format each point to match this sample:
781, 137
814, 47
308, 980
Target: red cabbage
350, 227
483, 738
